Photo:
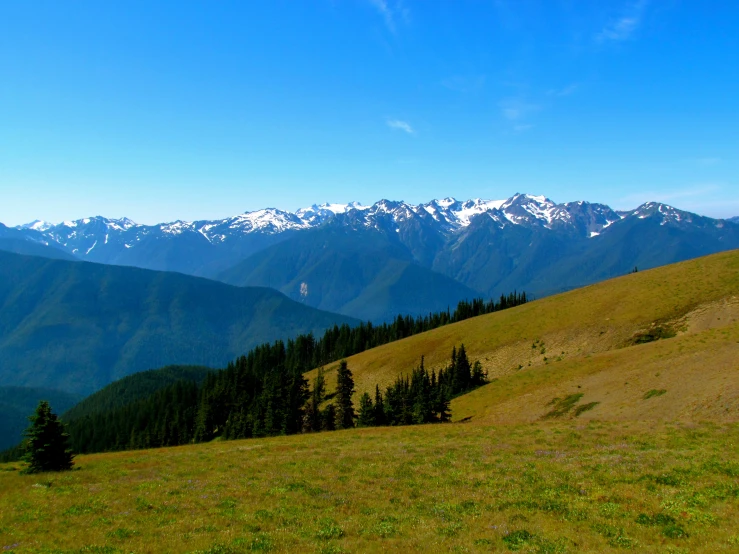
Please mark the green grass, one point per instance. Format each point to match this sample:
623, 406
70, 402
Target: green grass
554, 486
654, 392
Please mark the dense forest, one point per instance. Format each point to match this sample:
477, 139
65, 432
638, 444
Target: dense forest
343, 341
264, 392
245, 401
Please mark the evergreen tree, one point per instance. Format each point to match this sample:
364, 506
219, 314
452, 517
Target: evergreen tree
442, 404
344, 390
479, 375
420, 392
47, 442
366, 416
328, 418
463, 370
313, 409
379, 407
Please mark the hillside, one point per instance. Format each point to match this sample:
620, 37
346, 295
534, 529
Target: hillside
134, 387
558, 341
20, 242
78, 326
345, 271
373, 262
548, 487
17, 403
611, 424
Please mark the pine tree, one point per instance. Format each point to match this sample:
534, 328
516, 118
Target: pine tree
344, 389
47, 442
366, 416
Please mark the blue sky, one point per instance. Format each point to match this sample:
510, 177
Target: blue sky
196, 110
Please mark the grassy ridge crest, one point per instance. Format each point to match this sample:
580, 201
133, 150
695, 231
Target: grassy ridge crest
573, 326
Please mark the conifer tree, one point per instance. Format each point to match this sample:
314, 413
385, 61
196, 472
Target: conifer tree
366, 416
479, 375
379, 407
463, 370
442, 404
344, 390
47, 442
328, 418
313, 409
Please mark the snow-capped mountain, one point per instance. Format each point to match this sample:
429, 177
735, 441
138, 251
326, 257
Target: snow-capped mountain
525, 241
445, 216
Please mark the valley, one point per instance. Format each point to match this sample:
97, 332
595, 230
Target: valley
375, 262
609, 422
368, 276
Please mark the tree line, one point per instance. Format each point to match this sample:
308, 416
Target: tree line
264, 393
306, 352
244, 401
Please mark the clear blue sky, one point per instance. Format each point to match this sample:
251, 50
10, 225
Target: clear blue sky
192, 110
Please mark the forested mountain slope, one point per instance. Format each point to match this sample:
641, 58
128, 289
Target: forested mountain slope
363, 274
17, 403
78, 326
134, 387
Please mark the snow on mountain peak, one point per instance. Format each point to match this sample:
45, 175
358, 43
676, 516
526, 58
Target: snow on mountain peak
319, 213
447, 215
666, 213
38, 225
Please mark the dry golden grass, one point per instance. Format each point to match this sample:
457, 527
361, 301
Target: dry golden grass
553, 486
690, 295
583, 443
699, 371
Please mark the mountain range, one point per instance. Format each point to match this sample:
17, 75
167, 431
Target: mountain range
373, 262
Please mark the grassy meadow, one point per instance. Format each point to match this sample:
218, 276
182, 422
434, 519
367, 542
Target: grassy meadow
553, 486
684, 297
611, 424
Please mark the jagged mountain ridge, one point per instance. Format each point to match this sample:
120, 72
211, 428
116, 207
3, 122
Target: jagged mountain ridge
115, 240
488, 247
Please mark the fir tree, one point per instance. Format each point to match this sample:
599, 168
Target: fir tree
328, 418
313, 409
47, 442
442, 404
479, 375
379, 407
463, 370
366, 416
344, 390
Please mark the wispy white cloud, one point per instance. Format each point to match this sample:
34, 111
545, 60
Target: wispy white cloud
623, 28
400, 125
391, 12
